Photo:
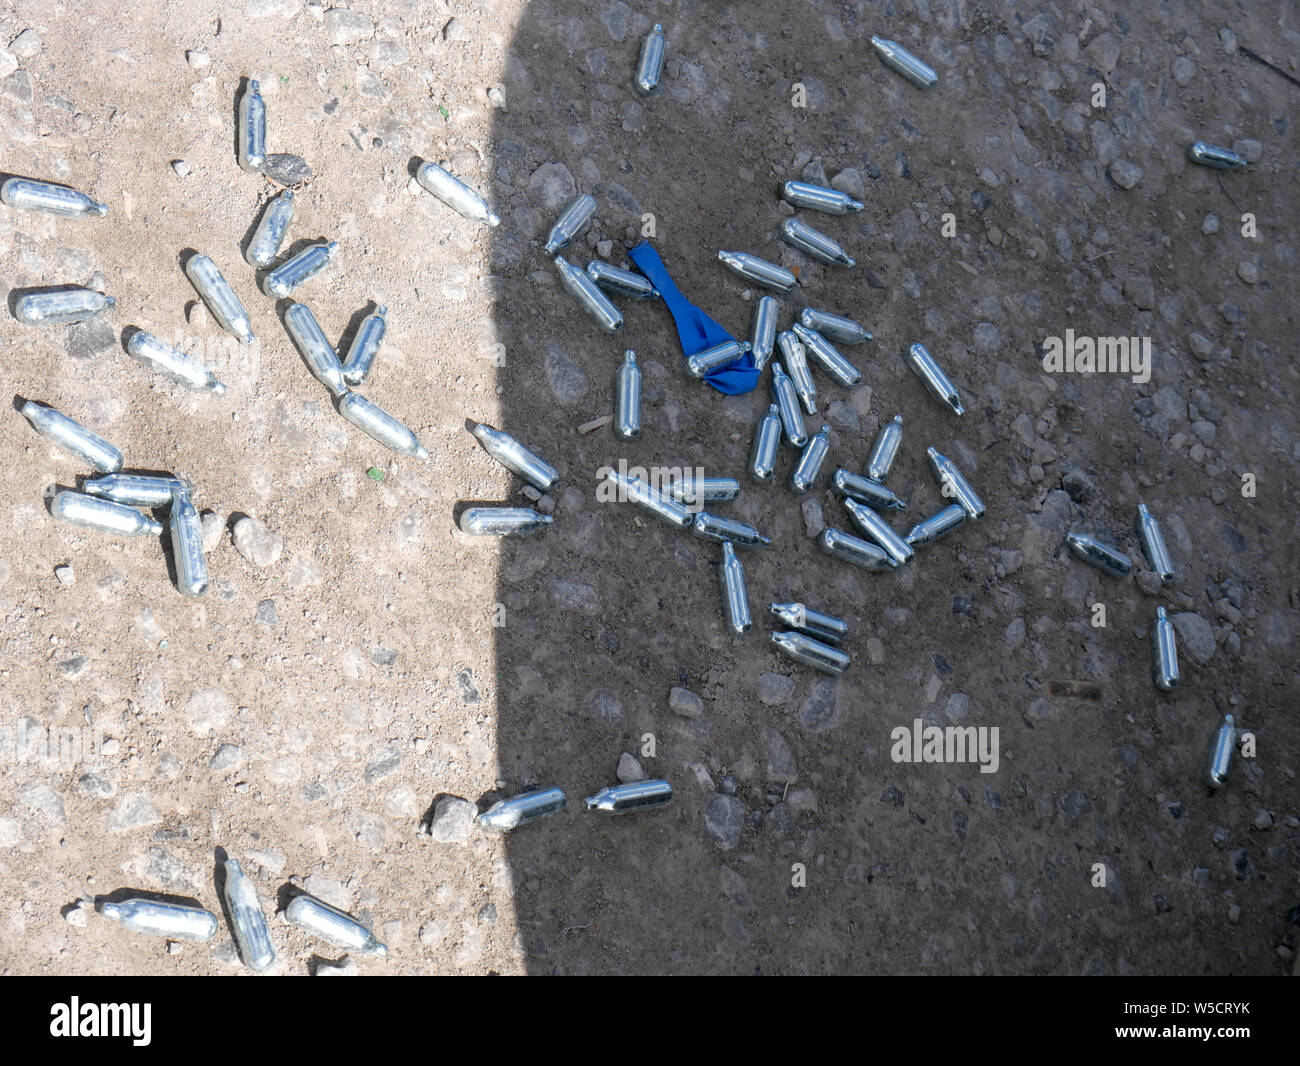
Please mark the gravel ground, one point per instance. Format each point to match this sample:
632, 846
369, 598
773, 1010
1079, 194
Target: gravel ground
360, 660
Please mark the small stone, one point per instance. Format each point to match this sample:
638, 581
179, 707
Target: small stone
227, 757
1210, 224
8, 62
197, 60
774, 689
1149, 582
1124, 174
26, 45
256, 543
285, 168
174, 947
453, 819
723, 820
849, 181
812, 517
552, 185
1263, 820
181, 167
133, 811
65, 574
802, 801
497, 98
266, 613
456, 32
686, 703
90, 338
206, 711
345, 967
1183, 69
1229, 40
347, 27
75, 913
629, 769
1142, 292
1251, 150
1248, 272
1234, 914
213, 526
1202, 347
1195, 634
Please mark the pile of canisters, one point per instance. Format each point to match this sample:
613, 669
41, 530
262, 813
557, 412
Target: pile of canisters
248, 924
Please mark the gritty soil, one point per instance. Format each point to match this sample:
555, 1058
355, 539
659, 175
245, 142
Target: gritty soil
307, 714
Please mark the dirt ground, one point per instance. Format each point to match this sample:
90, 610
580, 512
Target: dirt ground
307, 714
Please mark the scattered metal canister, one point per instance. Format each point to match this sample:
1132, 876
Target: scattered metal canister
264, 245
158, 918
225, 306
588, 295
456, 194
73, 437
506, 814
631, 797
855, 550
735, 597
90, 512
502, 521
28, 195
816, 624
570, 223
814, 653
650, 66
798, 234
333, 925
1104, 557
922, 362
819, 198
759, 271
1165, 653
899, 59
60, 307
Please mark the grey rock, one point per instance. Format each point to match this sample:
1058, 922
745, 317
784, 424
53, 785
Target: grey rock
1124, 173
18, 86
1202, 347
552, 185
820, 710
132, 811
780, 760
1210, 224
723, 820
284, 168
256, 543
629, 769
1249, 148
1195, 636
812, 517
774, 689
65, 575
453, 820
347, 27
849, 182
1184, 69
227, 757
568, 382
686, 703
26, 45
207, 710
90, 338
266, 613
